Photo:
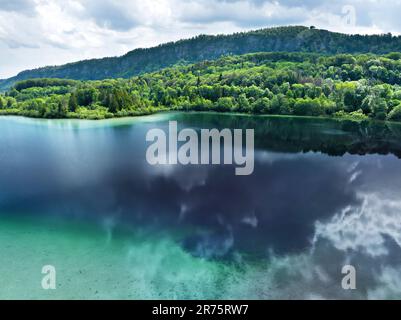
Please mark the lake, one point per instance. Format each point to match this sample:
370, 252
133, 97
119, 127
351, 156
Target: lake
80, 196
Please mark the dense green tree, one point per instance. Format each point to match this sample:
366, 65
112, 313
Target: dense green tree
308, 107
9, 103
243, 104
263, 83
379, 108
86, 96
395, 114
261, 105
73, 102
225, 104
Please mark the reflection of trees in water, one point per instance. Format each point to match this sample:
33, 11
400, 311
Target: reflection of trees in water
332, 137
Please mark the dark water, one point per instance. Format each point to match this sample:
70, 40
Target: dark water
324, 194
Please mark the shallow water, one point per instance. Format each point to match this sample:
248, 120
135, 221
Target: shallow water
79, 195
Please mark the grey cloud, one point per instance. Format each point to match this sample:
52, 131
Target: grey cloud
233, 11
385, 16
21, 6
15, 44
381, 13
121, 16
368, 13
109, 15
310, 4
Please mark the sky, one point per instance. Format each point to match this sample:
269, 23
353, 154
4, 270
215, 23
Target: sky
35, 33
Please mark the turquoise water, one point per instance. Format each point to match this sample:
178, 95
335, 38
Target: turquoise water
79, 195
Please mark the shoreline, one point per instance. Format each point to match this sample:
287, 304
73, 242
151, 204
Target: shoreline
164, 112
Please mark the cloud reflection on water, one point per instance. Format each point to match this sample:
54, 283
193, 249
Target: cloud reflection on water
302, 215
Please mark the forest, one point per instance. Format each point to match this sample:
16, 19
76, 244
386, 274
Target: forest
210, 47
361, 86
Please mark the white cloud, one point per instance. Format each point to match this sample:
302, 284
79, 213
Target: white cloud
389, 285
365, 228
35, 33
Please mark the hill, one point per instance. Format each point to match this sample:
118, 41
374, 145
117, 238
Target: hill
304, 84
140, 61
